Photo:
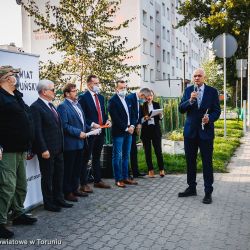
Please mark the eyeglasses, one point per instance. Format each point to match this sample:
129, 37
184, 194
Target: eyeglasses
53, 90
197, 76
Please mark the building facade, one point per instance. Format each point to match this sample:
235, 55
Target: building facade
162, 48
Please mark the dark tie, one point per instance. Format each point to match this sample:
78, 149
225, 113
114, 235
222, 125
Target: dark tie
98, 107
54, 112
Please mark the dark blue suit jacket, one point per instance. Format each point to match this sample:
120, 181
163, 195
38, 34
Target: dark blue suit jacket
210, 101
72, 126
119, 116
132, 99
48, 132
88, 106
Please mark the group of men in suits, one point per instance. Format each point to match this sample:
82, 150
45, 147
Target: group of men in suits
59, 138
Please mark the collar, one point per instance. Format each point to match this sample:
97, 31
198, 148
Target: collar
137, 97
92, 92
72, 102
47, 102
202, 87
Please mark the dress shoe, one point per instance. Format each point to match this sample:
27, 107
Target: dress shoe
62, 203
130, 182
101, 184
162, 173
207, 198
139, 175
5, 233
188, 192
52, 208
80, 194
86, 188
71, 197
151, 174
24, 219
120, 184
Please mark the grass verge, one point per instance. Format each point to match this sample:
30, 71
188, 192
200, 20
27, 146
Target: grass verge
223, 150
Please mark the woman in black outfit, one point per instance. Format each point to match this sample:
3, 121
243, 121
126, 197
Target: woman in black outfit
151, 132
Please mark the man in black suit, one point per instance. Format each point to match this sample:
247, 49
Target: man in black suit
201, 104
48, 146
136, 99
92, 104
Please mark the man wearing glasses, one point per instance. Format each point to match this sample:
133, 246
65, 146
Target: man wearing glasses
201, 104
16, 133
48, 146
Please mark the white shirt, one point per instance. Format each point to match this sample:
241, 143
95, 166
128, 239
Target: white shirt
125, 107
138, 105
77, 109
152, 120
93, 97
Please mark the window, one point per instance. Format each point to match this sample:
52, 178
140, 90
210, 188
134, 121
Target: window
172, 51
168, 58
157, 16
164, 32
145, 73
151, 75
163, 9
158, 67
168, 14
164, 55
145, 46
180, 63
180, 47
168, 35
163, 75
158, 41
173, 71
144, 16
176, 43
151, 49
168, 76
151, 23
177, 62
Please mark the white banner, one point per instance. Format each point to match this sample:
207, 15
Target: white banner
29, 77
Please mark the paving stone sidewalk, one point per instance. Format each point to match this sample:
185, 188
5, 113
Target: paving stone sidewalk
151, 216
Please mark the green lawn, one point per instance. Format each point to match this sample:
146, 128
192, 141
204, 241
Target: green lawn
223, 150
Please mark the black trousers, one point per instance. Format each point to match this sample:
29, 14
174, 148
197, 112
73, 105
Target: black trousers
52, 171
206, 149
73, 161
133, 156
152, 137
94, 148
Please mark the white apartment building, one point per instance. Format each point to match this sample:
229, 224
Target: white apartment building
161, 46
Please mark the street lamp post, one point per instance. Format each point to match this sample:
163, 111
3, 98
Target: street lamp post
184, 70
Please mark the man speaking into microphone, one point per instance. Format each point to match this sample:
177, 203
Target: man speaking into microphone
201, 104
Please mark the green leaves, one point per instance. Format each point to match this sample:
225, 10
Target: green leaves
85, 33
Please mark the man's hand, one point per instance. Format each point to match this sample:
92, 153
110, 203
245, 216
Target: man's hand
46, 154
205, 119
194, 96
95, 125
146, 118
108, 123
131, 130
82, 135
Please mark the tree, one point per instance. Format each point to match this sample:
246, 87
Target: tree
214, 74
213, 18
85, 34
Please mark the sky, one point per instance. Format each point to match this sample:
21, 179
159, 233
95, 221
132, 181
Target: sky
10, 23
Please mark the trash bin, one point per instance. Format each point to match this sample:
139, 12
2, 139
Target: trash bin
106, 161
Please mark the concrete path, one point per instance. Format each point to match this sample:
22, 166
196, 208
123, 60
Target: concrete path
151, 216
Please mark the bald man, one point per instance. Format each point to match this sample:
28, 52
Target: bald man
201, 104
